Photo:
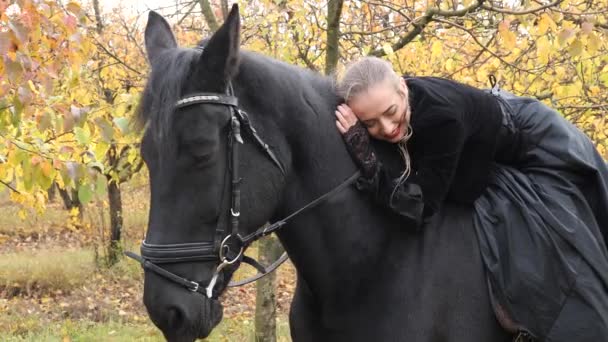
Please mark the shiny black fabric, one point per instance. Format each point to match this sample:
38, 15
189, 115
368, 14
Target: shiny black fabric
542, 225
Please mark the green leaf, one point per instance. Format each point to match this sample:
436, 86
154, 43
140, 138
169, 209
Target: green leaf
14, 71
122, 124
100, 186
83, 136
85, 193
107, 131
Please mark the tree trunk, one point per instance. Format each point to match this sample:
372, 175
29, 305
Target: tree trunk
208, 14
99, 24
225, 9
70, 200
52, 192
332, 54
265, 309
116, 222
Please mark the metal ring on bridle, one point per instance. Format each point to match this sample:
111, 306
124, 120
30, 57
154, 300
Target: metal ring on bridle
223, 245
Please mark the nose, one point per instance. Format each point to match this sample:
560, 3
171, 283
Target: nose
181, 315
387, 126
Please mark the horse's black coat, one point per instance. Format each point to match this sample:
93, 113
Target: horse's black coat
360, 275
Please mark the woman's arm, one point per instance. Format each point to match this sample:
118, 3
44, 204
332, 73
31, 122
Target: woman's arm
422, 194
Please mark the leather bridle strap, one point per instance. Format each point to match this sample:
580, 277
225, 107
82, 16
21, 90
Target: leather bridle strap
279, 224
207, 98
149, 265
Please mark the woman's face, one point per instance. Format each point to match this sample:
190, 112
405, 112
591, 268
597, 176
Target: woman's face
383, 110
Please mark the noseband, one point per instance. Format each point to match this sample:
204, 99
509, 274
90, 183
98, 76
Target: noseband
228, 245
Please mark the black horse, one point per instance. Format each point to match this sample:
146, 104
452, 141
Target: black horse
361, 275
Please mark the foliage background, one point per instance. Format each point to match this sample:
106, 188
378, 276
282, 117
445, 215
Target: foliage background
71, 75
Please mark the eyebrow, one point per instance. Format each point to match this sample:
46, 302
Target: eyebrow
389, 109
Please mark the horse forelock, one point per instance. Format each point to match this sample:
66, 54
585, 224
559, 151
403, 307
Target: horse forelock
164, 88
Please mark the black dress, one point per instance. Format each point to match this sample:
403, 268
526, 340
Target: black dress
539, 193
452, 149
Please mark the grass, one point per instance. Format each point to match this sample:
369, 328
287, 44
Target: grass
11, 223
45, 270
43, 291
33, 328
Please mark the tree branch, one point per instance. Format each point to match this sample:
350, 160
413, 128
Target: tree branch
113, 56
421, 22
481, 45
530, 11
179, 22
10, 187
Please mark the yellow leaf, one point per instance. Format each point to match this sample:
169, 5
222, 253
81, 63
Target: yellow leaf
576, 47
388, 49
22, 214
436, 49
543, 23
508, 37
74, 8
32, 86
543, 50
46, 168
449, 65
593, 42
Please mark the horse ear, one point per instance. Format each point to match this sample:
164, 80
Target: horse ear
222, 51
158, 36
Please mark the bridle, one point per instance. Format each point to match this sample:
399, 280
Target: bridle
228, 245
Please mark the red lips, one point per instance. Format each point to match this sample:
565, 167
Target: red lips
394, 133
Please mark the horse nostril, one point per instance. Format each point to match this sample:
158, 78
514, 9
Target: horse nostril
175, 317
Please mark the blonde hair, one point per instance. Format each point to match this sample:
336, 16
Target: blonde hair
360, 75
364, 73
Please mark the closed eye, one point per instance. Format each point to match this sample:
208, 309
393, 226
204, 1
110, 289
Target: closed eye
200, 153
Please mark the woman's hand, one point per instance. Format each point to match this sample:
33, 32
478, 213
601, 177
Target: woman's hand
357, 140
345, 118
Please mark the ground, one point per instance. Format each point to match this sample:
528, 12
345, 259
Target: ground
54, 285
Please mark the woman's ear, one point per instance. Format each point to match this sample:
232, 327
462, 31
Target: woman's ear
402, 85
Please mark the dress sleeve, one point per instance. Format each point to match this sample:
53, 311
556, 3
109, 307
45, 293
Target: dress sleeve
422, 194
441, 146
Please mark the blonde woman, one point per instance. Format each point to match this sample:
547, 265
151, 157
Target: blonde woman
446, 132
536, 183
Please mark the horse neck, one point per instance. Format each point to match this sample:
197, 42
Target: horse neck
339, 240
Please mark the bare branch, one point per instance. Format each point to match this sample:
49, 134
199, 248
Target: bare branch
530, 11
116, 58
10, 187
482, 46
179, 22
421, 22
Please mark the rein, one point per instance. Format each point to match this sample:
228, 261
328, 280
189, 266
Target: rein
228, 245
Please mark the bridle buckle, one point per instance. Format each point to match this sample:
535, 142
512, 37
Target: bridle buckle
194, 287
